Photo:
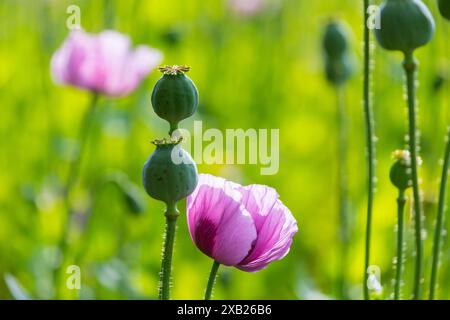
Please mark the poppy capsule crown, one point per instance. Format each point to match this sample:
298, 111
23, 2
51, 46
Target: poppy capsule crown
405, 25
169, 174
174, 96
444, 8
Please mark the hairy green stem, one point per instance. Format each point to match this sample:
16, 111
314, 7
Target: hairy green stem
211, 280
401, 200
439, 220
169, 241
72, 177
370, 141
342, 186
410, 67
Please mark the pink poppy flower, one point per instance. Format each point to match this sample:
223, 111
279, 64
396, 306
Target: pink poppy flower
104, 62
246, 227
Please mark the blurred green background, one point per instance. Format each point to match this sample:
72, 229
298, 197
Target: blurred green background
252, 71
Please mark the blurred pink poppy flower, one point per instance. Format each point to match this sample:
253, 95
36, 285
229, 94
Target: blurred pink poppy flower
246, 227
247, 7
104, 62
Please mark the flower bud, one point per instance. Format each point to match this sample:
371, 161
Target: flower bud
169, 174
444, 8
405, 25
335, 40
174, 96
400, 173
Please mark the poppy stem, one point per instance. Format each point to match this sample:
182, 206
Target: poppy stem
370, 141
410, 67
342, 187
169, 241
211, 280
173, 127
401, 201
439, 220
74, 171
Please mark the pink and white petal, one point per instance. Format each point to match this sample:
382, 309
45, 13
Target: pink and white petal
139, 64
218, 223
143, 60
259, 201
66, 61
206, 193
83, 61
274, 239
247, 7
234, 237
113, 49
104, 62
58, 65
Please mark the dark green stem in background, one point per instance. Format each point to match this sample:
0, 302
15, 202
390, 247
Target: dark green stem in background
108, 13
410, 67
211, 280
439, 220
342, 186
72, 178
83, 135
169, 241
370, 141
401, 200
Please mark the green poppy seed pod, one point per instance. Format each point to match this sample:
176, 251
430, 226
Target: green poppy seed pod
444, 8
338, 70
405, 25
335, 40
338, 66
169, 174
400, 173
174, 96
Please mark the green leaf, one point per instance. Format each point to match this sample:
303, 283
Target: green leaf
15, 288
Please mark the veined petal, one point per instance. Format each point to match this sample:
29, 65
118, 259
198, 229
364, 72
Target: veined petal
219, 224
275, 227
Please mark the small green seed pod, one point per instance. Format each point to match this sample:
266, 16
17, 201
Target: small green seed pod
338, 65
174, 96
400, 173
338, 70
444, 8
405, 25
335, 40
169, 174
